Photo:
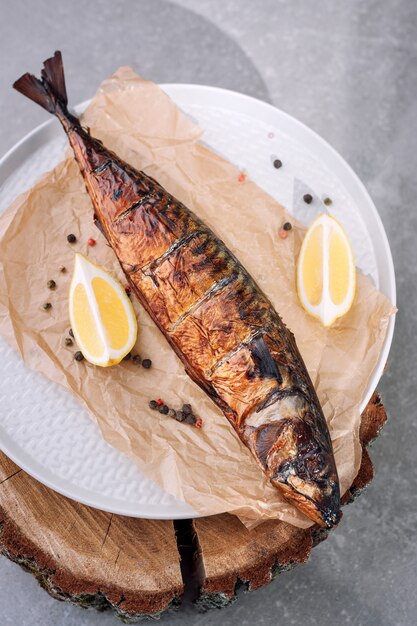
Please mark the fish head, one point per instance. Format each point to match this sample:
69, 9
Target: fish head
297, 457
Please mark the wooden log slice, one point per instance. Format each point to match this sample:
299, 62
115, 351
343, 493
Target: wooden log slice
143, 567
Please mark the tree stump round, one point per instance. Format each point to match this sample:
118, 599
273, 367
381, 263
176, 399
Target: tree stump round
146, 567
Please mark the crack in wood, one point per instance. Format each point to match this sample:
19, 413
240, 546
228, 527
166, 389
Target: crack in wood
191, 563
108, 530
9, 477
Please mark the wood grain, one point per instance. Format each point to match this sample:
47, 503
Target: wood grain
103, 560
78, 551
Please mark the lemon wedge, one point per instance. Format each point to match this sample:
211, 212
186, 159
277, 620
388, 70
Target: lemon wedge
102, 317
326, 274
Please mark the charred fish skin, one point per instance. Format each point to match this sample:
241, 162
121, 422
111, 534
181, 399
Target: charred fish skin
224, 329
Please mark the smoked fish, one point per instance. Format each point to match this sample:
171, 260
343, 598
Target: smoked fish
231, 341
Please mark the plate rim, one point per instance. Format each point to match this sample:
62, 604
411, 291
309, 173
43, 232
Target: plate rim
45, 131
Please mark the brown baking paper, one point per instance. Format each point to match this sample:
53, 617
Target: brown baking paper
209, 468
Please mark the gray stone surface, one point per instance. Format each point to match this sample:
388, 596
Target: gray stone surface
348, 70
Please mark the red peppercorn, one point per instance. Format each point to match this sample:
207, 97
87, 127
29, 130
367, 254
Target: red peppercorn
128, 289
242, 177
159, 402
283, 233
91, 242
199, 423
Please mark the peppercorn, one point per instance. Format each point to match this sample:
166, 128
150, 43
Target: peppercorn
136, 359
190, 419
328, 201
127, 357
287, 226
78, 356
71, 238
62, 269
51, 284
68, 341
163, 409
242, 177
70, 332
159, 402
146, 363
46, 306
153, 405
179, 416
277, 163
172, 412
91, 242
283, 233
199, 422
186, 408
308, 198
128, 289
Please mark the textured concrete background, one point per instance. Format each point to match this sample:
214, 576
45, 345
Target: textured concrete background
348, 70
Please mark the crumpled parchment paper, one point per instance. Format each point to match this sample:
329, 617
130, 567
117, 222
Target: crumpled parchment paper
209, 468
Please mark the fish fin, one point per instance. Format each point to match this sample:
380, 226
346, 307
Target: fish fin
49, 91
53, 75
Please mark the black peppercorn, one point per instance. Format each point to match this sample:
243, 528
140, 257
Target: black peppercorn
71, 334
172, 413
136, 359
190, 418
71, 238
127, 357
277, 163
287, 226
78, 356
308, 198
146, 363
187, 409
51, 284
180, 416
68, 341
46, 306
153, 405
62, 269
163, 409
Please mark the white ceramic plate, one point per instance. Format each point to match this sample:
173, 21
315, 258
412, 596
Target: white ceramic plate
42, 426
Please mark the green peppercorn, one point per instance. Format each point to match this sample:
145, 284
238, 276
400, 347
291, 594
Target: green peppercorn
146, 363
328, 201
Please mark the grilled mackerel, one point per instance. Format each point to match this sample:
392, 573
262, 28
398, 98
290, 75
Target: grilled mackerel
232, 342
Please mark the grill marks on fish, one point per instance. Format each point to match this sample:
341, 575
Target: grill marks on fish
220, 323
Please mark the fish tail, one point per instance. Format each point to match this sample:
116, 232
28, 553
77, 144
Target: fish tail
49, 91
